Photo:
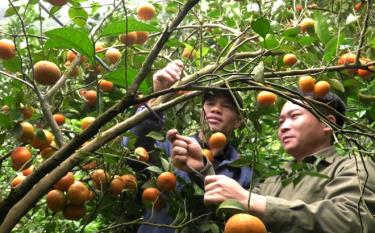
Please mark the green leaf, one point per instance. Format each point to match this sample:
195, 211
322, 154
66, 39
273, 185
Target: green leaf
156, 135
271, 42
321, 28
231, 206
154, 169
11, 11
119, 27
242, 161
261, 26
306, 40
70, 38
94, 7
204, 52
337, 85
165, 163
78, 15
373, 43
118, 78
39, 134
258, 72
291, 32
331, 48
13, 64
54, 9
4, 121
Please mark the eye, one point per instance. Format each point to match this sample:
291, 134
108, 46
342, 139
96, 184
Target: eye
229, 106
295, 115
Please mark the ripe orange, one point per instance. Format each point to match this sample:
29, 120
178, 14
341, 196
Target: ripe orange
106, 85
42, 139
266, 98
244, 223
77, 193
70, 56
306, 24
112, 55
188, 54
46, 73
56, 200
321, 89
116, 186
74, 212
20, 155
99, 46
348, 58
27, 112
87, 121
59, 118
290, 59
345, 59
141, 37
47, 152
217, 140
142, 154
90, 97
25, 132
358, 6
90, 165
28, 170
130, 181
208, 153
146, 11
152, 195
306, 84
365, 73
7, 49
57, 2
64, 182
17, 181
299, 7
166, 181
128, 39
100, 178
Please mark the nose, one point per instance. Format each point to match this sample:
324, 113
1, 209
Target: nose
215, 108
284, 126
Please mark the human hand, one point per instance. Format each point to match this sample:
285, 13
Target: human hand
186, 152
218, 188
167, 76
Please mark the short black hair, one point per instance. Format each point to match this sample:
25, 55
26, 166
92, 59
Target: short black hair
332, 100
233, 96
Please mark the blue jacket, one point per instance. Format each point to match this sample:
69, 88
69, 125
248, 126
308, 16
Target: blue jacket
242, 175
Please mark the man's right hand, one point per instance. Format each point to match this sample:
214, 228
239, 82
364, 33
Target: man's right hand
167, 76
186, 152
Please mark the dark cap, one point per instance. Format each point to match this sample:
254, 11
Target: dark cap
335, 102
233, 96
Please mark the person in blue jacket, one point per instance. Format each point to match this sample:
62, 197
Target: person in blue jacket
220, 114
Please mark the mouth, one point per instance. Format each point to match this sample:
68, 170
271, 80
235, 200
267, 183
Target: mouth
214, 120
285, 139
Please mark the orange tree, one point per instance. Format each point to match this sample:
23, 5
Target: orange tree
82, 59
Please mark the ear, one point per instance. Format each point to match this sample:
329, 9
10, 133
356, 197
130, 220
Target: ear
331, 118
238, 122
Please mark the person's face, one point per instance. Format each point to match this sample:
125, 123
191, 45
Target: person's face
300, 132
220, 114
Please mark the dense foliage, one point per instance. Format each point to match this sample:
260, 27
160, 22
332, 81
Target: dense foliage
239, 44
